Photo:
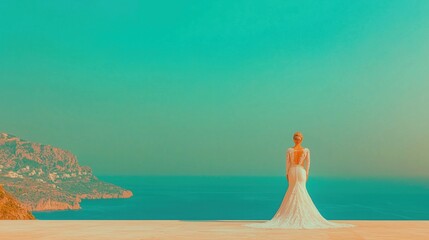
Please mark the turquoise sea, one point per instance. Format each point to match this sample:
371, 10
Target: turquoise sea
252, 198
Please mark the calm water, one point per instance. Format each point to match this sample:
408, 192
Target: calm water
253, 198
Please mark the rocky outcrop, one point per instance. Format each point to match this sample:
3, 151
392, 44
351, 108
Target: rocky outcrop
11, 208
44, 177
48, 204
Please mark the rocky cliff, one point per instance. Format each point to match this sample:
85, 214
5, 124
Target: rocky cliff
11, 208
44, 177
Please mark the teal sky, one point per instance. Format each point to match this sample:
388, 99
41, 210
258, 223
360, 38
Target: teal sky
219, 87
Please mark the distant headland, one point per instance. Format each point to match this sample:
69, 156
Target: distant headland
43, 177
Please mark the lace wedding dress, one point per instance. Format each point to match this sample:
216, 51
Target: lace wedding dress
297, 210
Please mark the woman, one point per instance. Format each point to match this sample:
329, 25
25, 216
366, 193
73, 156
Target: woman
297, 210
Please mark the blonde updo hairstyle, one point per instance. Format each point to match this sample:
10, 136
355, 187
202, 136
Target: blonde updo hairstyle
298, 134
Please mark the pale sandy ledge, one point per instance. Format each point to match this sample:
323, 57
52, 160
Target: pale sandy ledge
176, 229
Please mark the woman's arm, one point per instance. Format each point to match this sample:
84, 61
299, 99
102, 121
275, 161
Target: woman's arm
307, 163
287, 165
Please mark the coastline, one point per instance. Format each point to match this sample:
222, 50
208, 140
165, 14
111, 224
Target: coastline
219, 229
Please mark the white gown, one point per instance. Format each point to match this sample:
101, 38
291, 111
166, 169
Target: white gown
297, 210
